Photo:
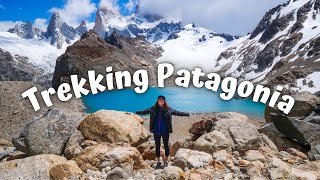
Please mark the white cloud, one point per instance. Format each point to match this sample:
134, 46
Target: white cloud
109, 4
41, 24
228, 16
75, 10
90, 25
6, 25
131, 5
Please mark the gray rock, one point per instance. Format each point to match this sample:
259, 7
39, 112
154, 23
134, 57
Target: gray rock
301, 131
35, 167
254, 155
277, 25
212, 142
282, 142
117, 173
240, 133
170, 173
245, 137
194, 159
46, 135
305, 103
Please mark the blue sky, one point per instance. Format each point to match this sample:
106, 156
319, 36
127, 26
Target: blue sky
236, 17
23, 10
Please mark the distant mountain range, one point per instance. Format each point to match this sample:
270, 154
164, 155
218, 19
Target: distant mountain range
283, 48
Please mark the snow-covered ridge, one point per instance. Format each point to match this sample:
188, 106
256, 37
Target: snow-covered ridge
283, 50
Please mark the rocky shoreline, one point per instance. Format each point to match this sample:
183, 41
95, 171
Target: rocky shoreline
58, 144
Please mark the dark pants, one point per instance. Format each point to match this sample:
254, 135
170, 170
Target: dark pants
165, 139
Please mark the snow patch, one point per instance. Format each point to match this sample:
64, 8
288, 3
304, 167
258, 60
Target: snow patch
313, 79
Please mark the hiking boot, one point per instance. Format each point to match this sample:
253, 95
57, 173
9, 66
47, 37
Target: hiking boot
158, 166
165, 164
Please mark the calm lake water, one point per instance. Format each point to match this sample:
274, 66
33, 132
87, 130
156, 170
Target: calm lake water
183, 99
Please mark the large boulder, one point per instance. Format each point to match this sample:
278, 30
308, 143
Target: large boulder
102, 155
16, 111
114, 126
212, 142
239, 132
192, 158
301, 131
305, 103
281, 141
47, 135
35, 167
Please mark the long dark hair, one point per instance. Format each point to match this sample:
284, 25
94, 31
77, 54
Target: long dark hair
165, 105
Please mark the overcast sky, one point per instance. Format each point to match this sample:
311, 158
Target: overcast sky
236, 17
229, 16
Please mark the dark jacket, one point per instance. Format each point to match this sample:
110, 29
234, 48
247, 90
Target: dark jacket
168, 116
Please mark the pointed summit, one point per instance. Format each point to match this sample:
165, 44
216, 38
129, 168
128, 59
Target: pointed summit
54, 30
104, 16
82, 28
54, 24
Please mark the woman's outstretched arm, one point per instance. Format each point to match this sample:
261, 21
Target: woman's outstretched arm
146, 111
179, 113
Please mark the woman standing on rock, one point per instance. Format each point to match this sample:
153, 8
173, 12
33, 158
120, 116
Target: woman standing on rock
161, 125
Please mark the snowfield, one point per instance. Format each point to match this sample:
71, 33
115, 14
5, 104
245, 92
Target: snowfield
312, 79
187, 52
40, 52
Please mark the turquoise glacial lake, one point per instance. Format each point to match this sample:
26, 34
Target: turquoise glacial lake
192, 100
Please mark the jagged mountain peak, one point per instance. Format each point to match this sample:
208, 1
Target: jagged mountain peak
57, 31
54, 30
26, 30
82, 28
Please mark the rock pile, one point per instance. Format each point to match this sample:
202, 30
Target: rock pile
115, 145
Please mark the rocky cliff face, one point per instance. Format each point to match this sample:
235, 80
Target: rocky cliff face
93, 53
54, 31
16, 68
283, 49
